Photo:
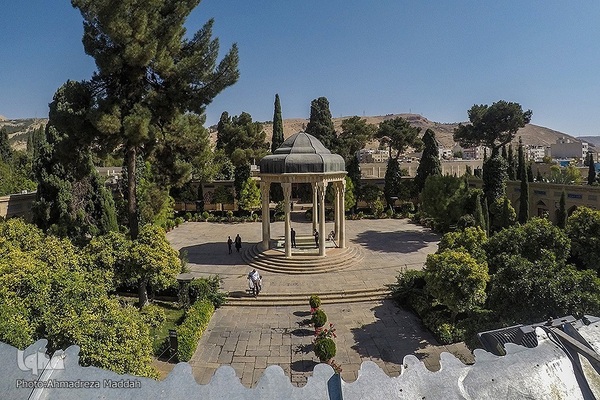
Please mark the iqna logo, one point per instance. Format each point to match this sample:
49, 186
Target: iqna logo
38, 362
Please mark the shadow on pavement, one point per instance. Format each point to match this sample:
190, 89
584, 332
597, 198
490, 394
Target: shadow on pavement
301, 313
395, 334
303, 365
395, 242
214, 254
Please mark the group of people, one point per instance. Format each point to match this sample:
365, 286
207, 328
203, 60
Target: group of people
237, 241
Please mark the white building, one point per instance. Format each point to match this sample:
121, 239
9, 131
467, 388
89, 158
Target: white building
567, 148
536, 153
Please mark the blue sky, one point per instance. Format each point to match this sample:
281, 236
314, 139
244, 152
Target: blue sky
434, 58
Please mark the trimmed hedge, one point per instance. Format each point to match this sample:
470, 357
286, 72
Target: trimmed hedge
319, 318
195, 323
314, 301
325, 349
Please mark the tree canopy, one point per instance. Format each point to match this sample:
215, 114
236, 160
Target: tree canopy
320, 124
150, 82
493, 126
430, 160
355, 134
399, 135
277, 137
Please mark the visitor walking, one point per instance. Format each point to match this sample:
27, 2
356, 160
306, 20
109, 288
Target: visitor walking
316, 235
229, 243
255, 282
293, 237
238, 242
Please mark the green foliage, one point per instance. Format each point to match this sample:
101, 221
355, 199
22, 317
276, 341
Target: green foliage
325, 349
153, 315
512, 168
241, 139
46, 286
494, 126
250, 197
583, 228
190, 331
409, 283
430, 160
208, 288
456, 279
470, 240
479, 218
5, 149
356, 132
503, 214
591, 178
319, 318
394, 187
242, 174
494, 178
532, 241
222, 195
524, 198
569, 175
277, 138
561, 212
320, 124
398, 135
151, 86
444, 199
314, 301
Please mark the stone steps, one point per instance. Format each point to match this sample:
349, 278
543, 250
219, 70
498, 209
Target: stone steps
294, 299
302, 262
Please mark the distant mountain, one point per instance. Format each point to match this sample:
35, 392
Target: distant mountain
593, 140
530, 134
19, 129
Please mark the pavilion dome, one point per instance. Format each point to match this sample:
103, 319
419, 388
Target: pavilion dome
302, 153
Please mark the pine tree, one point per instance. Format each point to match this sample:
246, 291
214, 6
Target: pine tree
591, 169
561, 213
151, 86
430, 161
277, 138
320, 124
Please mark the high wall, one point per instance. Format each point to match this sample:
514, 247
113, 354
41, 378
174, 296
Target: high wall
17, 205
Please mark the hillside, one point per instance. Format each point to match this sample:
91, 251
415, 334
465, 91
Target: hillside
530, 134
592, 140
19, 129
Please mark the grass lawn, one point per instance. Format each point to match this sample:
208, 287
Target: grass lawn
174, 316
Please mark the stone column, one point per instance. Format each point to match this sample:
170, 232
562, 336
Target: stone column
336, 210
266, 222
315, 213
287, 195
341, 236
322, 235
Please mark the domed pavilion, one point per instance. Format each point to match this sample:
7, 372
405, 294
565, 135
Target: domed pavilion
302, 158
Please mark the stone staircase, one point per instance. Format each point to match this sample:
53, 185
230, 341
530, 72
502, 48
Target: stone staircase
303, 261
301, 299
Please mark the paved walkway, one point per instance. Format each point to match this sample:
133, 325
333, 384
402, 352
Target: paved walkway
251, 338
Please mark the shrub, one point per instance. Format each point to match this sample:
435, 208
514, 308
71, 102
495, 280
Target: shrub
205, 216
389, 213
325, 349
190, 331
153, 315
178, 221
208, 288
187, 216
314, 301
319, 318
409, 283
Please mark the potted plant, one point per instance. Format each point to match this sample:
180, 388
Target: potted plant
319, 318
315, 302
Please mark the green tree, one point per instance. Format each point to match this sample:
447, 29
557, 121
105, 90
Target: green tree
471, 240
430, 160
394, 186
353, 170
277, 138
583, 228
153, 262
524, 196
512, 168
250, 196
493, 126
568, 175
494, 178
478, 215
320, 124
242, 139
456, 280
5, 149
444, 198
356, 132
561, 213
150, 80
242, 174
591, 169
398, 135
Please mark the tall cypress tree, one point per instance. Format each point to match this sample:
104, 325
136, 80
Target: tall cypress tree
5, 149
591, 169
504, 154
320, 124
277, 137
479, 218
561, 213
430, 160
512, 171
486, 215
520, 159
524, 199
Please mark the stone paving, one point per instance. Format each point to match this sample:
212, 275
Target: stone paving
251, 338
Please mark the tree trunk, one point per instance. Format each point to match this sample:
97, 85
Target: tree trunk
131, 193
142, 292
